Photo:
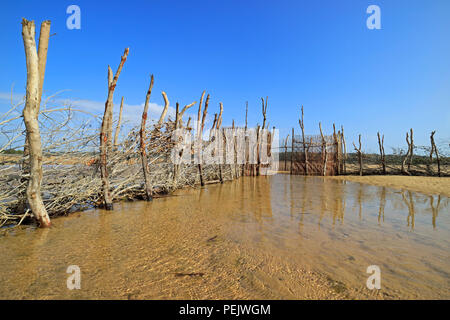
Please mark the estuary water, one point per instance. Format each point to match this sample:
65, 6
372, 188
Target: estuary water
275, 237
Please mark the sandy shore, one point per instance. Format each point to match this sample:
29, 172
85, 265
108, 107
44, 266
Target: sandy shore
426, 185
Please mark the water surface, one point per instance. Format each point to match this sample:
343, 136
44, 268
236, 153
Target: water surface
279, 237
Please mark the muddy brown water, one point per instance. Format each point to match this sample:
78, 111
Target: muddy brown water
278, 237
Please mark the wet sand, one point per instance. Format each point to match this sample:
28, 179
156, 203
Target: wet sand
279, 237
425, 185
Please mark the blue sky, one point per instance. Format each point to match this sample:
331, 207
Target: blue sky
316, 53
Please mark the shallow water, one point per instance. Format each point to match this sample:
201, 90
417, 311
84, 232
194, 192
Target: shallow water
279, 237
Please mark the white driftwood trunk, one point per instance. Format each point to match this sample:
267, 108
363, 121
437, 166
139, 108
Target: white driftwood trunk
106, 133
30, 115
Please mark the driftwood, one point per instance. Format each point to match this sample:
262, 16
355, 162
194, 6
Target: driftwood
305, 152
358, 151
106, 132
324, 151
143, 136
119, 122
35, 78
435, 149
382, 154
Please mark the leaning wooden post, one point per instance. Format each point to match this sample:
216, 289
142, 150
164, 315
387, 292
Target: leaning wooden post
106, 129
142, 148
344, 150
302, 126
30, 116
404, 170
382, 154
119, 122
285, 153
358, 150
324, 151
219, 136
433, 147
200, 126
292, 153
411, 150
246, 148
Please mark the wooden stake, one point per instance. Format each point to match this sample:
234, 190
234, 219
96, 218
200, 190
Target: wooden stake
143, 136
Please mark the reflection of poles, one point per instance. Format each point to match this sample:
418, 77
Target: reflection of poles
434, 210
382, 204
410, 204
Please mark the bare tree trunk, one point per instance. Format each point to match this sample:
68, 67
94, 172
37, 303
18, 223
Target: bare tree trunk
382, 154
324, 151
164, 112
433, 147
42, 61
246, 147
292, 152
143, 136
358, 150
302, 126
404, 170
411, 148
30, 115
119, 122
200, 126
285, 153
344, 156
218, 125
106, 130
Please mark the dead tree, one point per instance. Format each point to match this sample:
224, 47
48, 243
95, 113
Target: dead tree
142, 147
164, 112
434, 148
292, 153
35, 79
119, 122
200, 126
219, 136
411, 148
264, 111
246, 147
302, 126
382, 154
324, 151
344, 156
285, 153
358, 151
106, 130
405, 159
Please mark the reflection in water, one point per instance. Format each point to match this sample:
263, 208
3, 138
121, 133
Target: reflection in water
279, 237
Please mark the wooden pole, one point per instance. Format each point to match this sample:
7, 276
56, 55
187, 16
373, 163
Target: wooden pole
302, 126
292, 153
358, 150
106, 129
382, 154
143, 136
30, 116
119, 122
